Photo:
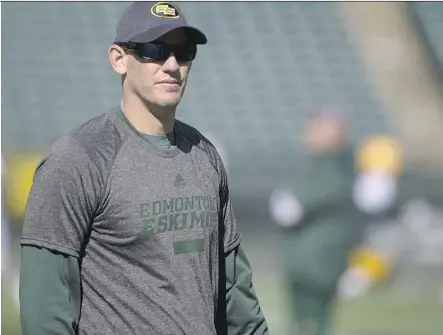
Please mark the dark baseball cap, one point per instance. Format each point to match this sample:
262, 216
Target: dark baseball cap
144, 22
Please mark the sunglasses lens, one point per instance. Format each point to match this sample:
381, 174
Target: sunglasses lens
160, 52
186, 52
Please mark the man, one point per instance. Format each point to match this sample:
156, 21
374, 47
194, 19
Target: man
318, 220
129, 227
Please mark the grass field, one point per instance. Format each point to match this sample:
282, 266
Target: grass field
377, 314
408, 304
10, 317
381, 313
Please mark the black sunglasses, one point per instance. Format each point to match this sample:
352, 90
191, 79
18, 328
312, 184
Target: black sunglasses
160, 52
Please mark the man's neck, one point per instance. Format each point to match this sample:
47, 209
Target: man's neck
146, 119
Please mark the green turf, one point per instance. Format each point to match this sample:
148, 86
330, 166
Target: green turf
405, 307
10, 317
383, 316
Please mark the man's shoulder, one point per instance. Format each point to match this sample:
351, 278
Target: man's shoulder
200, 141
96, 142
194, 136
98, 131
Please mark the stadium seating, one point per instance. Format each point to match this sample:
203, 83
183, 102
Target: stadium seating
267, 65
429, 16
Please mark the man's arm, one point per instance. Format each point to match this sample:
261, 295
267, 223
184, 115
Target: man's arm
244, 314
59, 212
49, 292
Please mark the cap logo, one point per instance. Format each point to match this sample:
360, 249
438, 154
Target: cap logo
164, 10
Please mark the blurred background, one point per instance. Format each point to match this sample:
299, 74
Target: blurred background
268, 68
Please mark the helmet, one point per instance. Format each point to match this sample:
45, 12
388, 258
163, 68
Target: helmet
380, 153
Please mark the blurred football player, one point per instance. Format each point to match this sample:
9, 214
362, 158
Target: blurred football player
375, 193
319, 221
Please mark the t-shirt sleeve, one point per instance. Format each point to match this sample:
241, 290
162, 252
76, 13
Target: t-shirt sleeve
232, 236
62, 201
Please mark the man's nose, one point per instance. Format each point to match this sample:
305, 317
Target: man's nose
171, 64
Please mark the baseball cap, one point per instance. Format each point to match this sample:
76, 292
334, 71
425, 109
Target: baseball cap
144, 22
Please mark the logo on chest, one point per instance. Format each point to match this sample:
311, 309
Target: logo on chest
179, 181
181, 213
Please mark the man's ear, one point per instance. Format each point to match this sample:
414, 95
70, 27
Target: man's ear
117, 59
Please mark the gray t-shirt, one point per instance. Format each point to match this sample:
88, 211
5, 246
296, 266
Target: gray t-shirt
148, 225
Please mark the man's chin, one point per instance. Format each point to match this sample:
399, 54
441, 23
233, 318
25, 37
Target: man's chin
169, 100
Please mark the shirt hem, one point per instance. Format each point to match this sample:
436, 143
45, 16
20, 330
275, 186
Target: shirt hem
49, 245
